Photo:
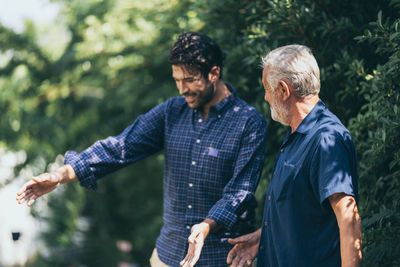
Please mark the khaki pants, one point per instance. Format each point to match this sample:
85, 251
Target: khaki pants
156, 262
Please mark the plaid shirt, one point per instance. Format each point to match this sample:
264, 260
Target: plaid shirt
211, 169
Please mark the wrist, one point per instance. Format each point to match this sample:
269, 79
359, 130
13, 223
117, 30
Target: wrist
214, 226
205, 228
65, 174
257, 234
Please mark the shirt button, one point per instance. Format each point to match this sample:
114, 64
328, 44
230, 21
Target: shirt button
269, 197
282, 149
190, 185
200, 120
193, 162
187, 227
189, 206
219, 116
198, 141
265, 224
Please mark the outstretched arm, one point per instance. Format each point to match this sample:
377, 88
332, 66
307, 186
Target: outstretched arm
45, 183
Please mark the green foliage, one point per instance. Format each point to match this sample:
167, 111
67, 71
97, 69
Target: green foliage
376, 133
63, 242
109, 64
359, 62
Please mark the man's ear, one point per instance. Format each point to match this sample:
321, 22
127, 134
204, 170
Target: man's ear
285, 89
214, 74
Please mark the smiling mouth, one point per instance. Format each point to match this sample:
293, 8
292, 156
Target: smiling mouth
190, 98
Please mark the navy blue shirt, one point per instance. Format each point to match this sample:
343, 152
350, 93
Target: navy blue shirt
212, 168
315, 161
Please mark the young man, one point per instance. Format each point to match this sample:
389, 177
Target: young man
214, 149
310, 214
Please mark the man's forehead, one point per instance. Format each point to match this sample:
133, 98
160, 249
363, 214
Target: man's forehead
183, 71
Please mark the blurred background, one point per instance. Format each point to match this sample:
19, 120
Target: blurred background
73, 72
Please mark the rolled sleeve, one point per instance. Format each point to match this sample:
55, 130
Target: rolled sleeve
223, 213
82, 170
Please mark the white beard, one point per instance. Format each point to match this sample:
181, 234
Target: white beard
279, 113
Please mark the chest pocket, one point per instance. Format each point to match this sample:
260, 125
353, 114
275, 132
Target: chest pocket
284, 181
218, 162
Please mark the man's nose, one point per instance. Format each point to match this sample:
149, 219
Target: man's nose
266, 97
182, 87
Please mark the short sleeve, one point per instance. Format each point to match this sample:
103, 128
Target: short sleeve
333, 167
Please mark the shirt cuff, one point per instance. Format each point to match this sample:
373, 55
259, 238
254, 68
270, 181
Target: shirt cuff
82, 169
223, 216
327, 192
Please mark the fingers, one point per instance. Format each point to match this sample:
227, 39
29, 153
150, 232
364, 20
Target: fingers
30, 202
194, 250
186, 260
232, 241
22, 195
231, 255
245, 261
37, 179
239, 257
25, 196
237, 240
239, 261
26, 186
189, 261
27, 193
196, 255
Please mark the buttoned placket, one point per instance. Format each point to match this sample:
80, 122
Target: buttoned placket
265, 223
198, 126
270, 196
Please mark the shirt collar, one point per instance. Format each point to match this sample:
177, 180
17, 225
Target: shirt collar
309, 121
227, 101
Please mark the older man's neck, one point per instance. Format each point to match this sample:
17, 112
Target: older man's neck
300, 109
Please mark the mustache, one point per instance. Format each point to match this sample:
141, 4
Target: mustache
189, 94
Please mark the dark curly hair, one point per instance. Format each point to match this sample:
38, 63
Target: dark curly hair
196, 50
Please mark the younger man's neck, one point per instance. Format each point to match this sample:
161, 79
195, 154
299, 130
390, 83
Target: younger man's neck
221, 92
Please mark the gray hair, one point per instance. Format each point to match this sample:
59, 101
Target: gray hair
295, 63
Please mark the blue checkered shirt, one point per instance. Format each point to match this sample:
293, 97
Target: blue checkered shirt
211, 170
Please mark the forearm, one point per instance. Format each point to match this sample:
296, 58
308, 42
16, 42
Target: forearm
349, 223
350, 242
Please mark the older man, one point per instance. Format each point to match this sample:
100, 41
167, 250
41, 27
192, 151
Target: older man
214, 151
310, 214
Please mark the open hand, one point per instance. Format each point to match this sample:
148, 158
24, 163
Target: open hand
245, 249
38, 186
199, 232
